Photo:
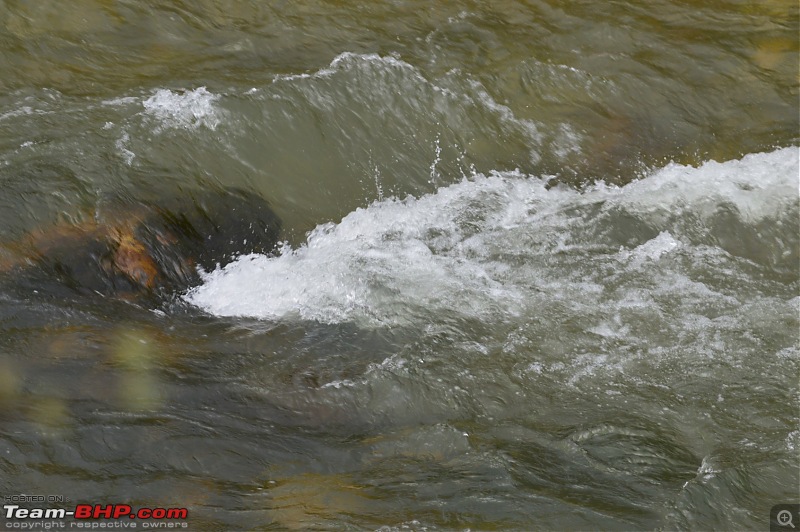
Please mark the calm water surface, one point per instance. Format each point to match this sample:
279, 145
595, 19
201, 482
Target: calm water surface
540, 269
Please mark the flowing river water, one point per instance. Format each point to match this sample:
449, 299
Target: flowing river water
539, 265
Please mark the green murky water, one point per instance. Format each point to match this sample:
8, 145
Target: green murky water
515, 292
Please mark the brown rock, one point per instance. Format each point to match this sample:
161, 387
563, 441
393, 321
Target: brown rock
138, 248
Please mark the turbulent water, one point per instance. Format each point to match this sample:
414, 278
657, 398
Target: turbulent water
539, 268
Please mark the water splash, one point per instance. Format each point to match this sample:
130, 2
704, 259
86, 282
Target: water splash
189, 109
498, 246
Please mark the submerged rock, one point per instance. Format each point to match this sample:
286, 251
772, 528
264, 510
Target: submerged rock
132, 249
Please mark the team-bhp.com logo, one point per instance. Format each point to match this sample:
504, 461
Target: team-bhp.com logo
93, 512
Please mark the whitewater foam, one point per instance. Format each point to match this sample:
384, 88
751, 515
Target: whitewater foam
188, 109
500, 246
